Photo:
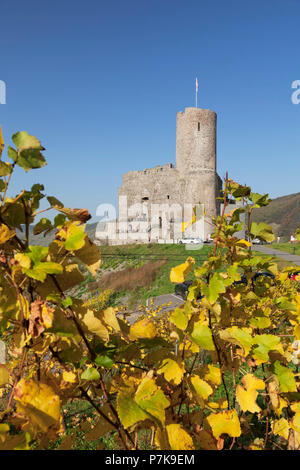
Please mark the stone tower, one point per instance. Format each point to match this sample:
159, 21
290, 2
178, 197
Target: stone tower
196, 157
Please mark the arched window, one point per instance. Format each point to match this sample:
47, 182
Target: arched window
198, 126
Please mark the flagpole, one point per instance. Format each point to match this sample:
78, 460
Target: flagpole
196, 92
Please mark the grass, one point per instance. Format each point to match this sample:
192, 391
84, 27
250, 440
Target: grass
287, 247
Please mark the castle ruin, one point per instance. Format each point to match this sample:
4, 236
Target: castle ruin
193, 180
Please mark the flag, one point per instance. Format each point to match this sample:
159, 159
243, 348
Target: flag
196, 84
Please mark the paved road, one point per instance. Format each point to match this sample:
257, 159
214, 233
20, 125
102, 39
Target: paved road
293, 259
166, 301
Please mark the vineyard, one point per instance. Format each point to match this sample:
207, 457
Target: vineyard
219, 373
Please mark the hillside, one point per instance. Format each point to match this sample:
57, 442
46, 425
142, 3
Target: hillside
283, 214
45, 240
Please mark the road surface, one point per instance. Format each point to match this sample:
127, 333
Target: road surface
293, 259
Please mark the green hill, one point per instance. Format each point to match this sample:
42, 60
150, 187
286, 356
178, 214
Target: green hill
283, 214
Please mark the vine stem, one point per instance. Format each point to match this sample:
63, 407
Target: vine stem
17, 377
115, 425
73, 317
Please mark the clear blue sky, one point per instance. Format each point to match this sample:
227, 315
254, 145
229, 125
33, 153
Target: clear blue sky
100, 84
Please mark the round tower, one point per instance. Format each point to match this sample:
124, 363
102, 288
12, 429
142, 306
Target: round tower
196, 140
196, 157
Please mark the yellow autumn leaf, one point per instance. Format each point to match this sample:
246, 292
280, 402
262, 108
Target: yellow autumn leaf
179, 439
225, 422
281, 428
172, 370
24, 306
244, 242
94, 325
5, 233
23, 260
297, 332
39, 403
221, 404
257, 444
143, 329
179, 273
202, 388
273, 391
212, 374
4, 429
108, 316
4, 375
47, 315
69, 377
247, 396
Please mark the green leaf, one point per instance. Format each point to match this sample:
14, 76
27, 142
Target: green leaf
202, 336
12, 153
265, 344
37, 253
50, 268
216, 286
259, 199
54, 202
59, 220
262, 231
285, 377
90, 374
31, 159
43, 225
104, 361
67, 302
239, 336
75, 240
284, 304
152, 400
40, 269
23, 140
128, 410
5, 168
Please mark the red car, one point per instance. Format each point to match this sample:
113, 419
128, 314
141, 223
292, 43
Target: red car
295, 276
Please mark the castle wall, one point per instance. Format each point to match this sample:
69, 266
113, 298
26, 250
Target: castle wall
160, 185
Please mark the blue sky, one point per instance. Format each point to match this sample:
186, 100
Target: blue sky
100, 84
